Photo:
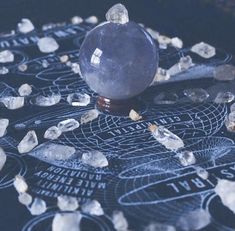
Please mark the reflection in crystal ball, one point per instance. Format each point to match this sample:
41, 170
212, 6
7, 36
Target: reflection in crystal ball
118, 61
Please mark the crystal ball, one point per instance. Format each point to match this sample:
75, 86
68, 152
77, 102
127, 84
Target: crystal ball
118, 61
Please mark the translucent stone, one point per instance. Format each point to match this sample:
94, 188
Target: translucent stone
161, 76
67, 203
76, 20
119, 221
4, 71
230, 125
3, 126
117, 14
95, 159
78, 99
22, 67
12, 102
25, 199
92, 20
3, 158
159, 227
153, 33
232, 107
67, 221
186, 158
93, 208
166, 138
76, 68
201, 172
135, 116
224, 72
89, 116
6, 56
25, 90
166, 98
68, 125
184, 64
163, 41
224, 97
196, 95
231, 116
46, 101
38, 206
45, 64
52, 133
225, 189
194, 220
25, 26
20, 184
29, 142
177, 42
204, 50
64, 58
47, 45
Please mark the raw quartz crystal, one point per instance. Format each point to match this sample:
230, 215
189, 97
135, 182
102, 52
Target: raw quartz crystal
67, 203
92, 20
201, 172
204, 50
22, 67
225, 189
38, 206
46, 101
3, 70
119, 221
52, 133
224, 97
3, 126
29, 142
135, 116
47, 45
3, 158
12, 102
186, 158
89, 116
159, 227
25, 199
161, 76
163, 41
20, 184
166, 98
76, 68
166, 138
194, 220
95, 159
177, 42
184, 64
92, 207
224, 72
117, 14
67, 221
196, 95
6, 56
76, 20
64, 58
25, 26
68, 125
152, 32
78, 99
230, 121
25, 90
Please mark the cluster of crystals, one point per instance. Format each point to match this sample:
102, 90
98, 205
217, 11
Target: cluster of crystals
135, 116
117, 14
230, 119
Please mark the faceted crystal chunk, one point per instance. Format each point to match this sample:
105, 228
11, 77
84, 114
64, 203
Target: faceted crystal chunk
177, 42
224, 72
3, 126
78, 99
159, 227
76, 68
67, 221
68, 125
95, 159
166, 98
186, 158
25, 26
133, 115
22, 67
64, 58
93, 208
38, 207
67, 203
3, 158
161, 76
3, 71
196, 95
184, 64
20, 184
204, 50
92, 20
89, 116
224, 97
119, 221
12, 102
46, 101
166, 138
52, 133
47, 45
25, 199
29, 142
230, 125
117, 14
76, 20
201, 172
6, 56
163, 41
25, 90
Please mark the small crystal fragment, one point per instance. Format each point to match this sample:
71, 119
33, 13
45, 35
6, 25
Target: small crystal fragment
89, 116
76, 20
186, 158
78, 99
52, 133
3, 158
76, 68
119, 221
161, 76
204, 50
159, 227
25, 26
163, 41
95, 159
232, 107
153, 33
20, 184
3, 71
47, 45
166, 138
117, 14
3, 126
196, 95
68, 125
92, 20
29, 142
64, 58
67, 203
12, 102
25, 198
6, 56
133, 115
230, 125
201, 172
45, 64
176, 42
166, 98
224, 97
93, 208
184, 64
38, 206
67, 221
224, 72
46, 101
22, 67
25, 90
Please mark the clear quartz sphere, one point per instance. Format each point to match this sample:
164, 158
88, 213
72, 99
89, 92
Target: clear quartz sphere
118, 61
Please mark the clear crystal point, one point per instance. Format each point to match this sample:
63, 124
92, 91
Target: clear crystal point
117, 14
93, 208
3, 158
38, 206
28, 142
204, 50
89, 116
25, 198
12, 102
68, 125
186, 158
52, 133
95, 158
46, 101
20, 184
67, 203
3, 126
